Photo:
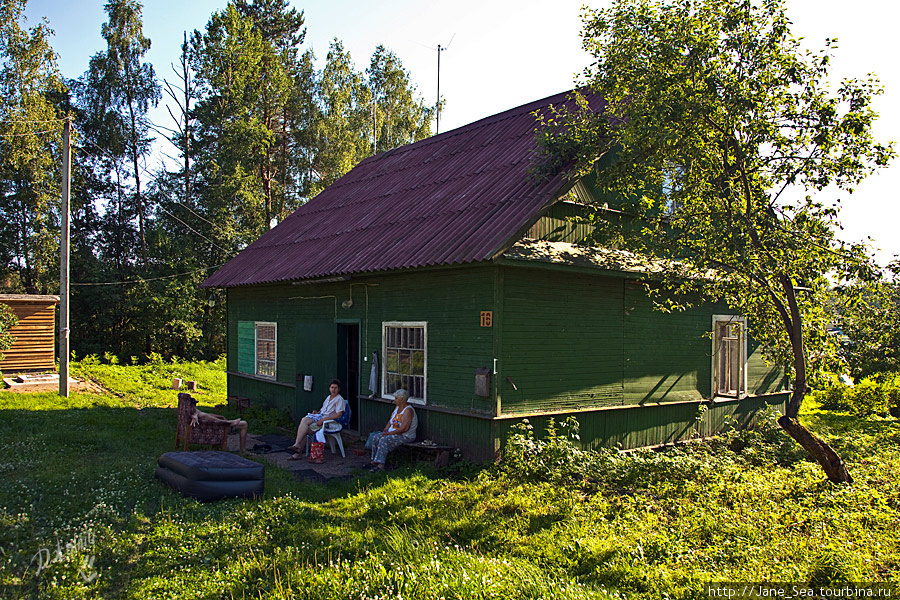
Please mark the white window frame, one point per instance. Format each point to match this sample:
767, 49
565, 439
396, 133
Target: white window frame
256, 358
717, 355
385, 393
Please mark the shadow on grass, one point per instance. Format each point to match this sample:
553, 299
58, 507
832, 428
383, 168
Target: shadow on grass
854, 436
87, 473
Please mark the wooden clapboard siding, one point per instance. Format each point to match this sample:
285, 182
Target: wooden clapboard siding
562, 341
448, 300
667, 355
655, 424
573, 341
563, 222
34, 348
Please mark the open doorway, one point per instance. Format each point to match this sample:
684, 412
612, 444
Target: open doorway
348, 367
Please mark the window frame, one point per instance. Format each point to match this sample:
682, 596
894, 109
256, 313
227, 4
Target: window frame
717, 357
256, 358
385, 393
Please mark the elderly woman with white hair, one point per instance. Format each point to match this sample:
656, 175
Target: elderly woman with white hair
400, 429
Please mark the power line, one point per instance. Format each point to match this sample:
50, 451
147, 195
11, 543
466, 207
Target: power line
194, 230
12, 135
30, 121
145, 280
185, 206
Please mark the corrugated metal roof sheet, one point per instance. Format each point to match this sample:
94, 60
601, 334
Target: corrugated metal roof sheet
458, 197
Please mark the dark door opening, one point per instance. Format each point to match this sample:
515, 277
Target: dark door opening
348, 367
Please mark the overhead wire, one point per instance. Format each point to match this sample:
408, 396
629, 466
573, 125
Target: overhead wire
27, 133
31, 121
146, 172
185, 206
141, 280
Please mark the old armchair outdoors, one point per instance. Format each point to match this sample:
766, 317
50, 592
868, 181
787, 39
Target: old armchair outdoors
206, 432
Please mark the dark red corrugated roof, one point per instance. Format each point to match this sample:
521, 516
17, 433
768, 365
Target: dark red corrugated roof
458, 197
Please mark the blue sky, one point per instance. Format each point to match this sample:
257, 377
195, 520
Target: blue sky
505, 53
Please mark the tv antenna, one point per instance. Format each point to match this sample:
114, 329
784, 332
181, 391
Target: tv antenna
440, 49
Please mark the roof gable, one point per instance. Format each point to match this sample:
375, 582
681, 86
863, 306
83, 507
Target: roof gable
458, 197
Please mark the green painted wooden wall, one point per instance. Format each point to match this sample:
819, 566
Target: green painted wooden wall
449, 300
569, 341
562, 341
668, 356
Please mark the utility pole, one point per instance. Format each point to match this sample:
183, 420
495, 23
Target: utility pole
64, 261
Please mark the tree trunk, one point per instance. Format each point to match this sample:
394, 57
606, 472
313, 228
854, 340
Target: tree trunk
824, 454
831, 463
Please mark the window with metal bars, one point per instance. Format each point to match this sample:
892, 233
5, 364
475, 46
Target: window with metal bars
266, 353
405, 354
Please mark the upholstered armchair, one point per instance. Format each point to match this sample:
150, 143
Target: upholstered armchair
206, 432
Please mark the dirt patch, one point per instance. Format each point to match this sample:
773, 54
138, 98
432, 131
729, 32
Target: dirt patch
334, 467
51, 384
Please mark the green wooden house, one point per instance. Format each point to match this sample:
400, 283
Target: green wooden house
446, 267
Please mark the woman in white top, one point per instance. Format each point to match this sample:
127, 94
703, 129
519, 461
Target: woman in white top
400, 429
332, 409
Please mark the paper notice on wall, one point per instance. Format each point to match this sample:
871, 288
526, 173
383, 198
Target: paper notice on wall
307, 383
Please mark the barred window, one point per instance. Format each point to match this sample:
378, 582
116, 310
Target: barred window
405, 355
266, 344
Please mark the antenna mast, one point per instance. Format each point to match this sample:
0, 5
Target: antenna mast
438, 125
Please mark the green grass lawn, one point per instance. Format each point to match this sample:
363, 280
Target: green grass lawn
81, 515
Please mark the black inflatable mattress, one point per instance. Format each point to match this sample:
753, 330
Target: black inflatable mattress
211, 475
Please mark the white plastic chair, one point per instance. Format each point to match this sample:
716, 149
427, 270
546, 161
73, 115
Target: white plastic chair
333, 430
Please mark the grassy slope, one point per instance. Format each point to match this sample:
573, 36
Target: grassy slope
81, 471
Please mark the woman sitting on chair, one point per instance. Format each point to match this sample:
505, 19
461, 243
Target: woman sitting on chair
400, 429
332, 409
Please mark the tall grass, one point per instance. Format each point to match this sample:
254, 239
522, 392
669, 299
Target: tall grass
550, 522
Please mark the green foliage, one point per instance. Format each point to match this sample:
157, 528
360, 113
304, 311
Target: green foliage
763, 444
259, 131
8, 320
269, 419
30, 142
870, 326
631, 525
400, 115
871, 396
714, 112
557, 457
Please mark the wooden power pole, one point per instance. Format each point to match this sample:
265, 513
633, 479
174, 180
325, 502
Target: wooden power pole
64, 262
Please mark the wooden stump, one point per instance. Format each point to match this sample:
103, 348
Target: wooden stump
176, 384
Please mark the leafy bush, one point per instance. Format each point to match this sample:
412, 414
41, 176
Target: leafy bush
872, 396
267, 419
833, 396
764, 444
555, 457
8, 320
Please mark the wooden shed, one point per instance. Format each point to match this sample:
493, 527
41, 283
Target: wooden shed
34, 348
448, 268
